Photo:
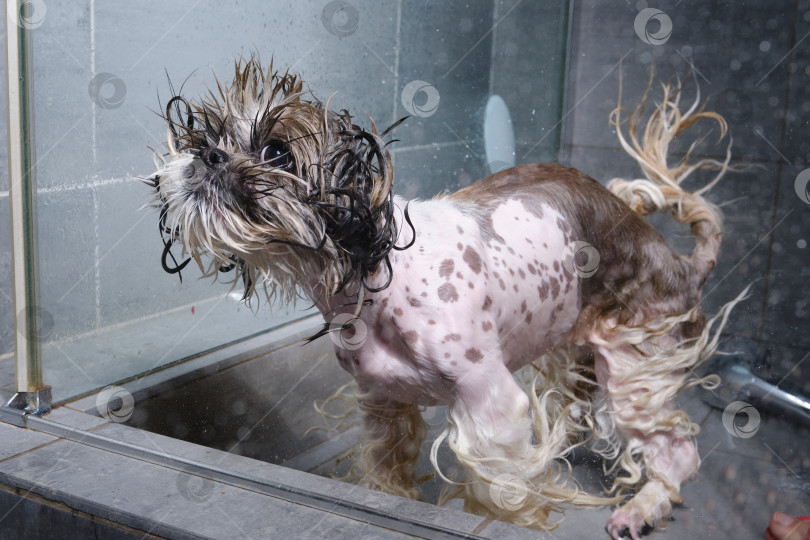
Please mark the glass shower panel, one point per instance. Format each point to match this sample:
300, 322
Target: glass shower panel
104, 70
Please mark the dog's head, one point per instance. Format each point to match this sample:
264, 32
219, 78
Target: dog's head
262, 178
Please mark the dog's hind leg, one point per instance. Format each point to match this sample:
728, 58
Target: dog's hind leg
390, 447
660, 453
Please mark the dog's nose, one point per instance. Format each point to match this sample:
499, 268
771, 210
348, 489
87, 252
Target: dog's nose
213, 156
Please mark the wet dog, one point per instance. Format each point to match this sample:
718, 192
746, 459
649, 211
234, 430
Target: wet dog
539, 264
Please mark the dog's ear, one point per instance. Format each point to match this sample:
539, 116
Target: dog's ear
356, 199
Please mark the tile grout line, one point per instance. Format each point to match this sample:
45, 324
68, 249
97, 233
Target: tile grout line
397, 43
97, 256
734, 161
492, 48
763, 315
430, 146
93, 184
37, 498
34, 449
128, 322
93, 107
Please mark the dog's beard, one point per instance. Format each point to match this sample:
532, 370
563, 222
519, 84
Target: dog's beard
236, 216
281, 189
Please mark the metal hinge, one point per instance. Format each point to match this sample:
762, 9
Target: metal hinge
21, 404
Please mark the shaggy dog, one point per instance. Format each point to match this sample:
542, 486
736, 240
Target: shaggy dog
539, 264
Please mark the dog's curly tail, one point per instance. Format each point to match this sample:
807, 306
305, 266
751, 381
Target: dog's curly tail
661, 191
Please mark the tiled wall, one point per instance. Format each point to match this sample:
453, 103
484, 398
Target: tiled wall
752, 63
100, 252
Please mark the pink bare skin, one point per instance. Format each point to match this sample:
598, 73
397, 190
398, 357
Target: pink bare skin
488, 287
460, 309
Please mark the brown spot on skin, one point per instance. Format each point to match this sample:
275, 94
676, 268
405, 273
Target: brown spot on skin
407, 289
459, 229
452, 362
414, 302
446, 268
459, 276
568, 286
460, 246
523, 307
453, 337
543, 290
431, 321
529, 318
510, 250
497, 248
555, 288
424, 295
473, 355
410, 337
545, 245
486, 326
470, 285
502, 284
472, 259
487, 303
555, 312
448, 293
384, 302
515, 287
532, 269
424, 281
511, 272
529, 241
496, 274
398, 312
521, 273
556, 266
447, 355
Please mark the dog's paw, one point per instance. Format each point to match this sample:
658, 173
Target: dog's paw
650, 506
627, 522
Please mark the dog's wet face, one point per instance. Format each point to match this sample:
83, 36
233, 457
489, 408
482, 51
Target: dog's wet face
260, 170
240, 164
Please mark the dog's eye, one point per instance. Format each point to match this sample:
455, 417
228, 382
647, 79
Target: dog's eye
276, 154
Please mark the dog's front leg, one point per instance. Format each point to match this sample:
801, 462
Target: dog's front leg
394, 434
490, 432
